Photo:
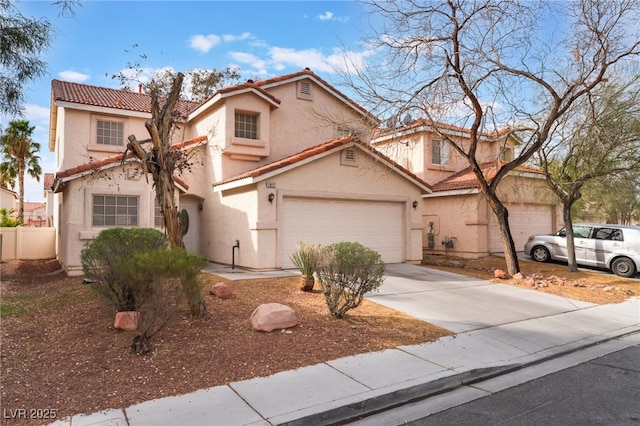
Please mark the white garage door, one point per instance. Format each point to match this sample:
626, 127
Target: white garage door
377, 225
524, 220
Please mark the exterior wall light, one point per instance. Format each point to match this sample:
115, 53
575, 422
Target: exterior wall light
415, 204
271, 197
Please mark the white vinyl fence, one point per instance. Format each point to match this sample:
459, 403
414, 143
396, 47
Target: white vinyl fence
27, 243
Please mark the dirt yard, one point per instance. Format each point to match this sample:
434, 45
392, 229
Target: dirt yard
61, 355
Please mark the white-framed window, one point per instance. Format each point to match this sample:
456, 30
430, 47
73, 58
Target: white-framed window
114, 210
246, 125
440, 151
158, 218
109, 132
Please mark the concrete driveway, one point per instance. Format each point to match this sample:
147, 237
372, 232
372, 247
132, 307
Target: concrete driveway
460, 303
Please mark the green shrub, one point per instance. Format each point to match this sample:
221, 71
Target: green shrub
107, 265
346, 272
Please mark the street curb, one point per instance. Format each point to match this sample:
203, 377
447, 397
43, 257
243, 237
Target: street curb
362, 408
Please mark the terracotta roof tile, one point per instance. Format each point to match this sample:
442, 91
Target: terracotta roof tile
317, 150
115, 159
111, 98
420, 122
49, 178
466, 179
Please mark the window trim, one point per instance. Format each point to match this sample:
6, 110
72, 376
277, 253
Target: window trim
127, 216
442, 145
95, 146
254, 133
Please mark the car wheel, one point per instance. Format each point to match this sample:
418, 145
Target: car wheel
623, 267
540, 254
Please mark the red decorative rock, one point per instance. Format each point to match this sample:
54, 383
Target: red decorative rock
499, 273
221, 290
127, 320
271, 316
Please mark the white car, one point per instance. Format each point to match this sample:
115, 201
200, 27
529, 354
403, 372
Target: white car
616, 247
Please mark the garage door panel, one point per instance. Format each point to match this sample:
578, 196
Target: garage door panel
524, 220
377, 225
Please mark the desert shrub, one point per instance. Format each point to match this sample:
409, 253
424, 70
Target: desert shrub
7, 220
173, 274
108, 267
306, 259
346, 272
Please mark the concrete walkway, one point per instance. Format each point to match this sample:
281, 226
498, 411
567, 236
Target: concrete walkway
500, 329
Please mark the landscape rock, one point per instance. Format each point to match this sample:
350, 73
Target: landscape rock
518, 276
499, 273
221, 290
127, 320
271, 316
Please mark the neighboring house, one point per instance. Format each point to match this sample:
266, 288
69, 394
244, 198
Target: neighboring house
457, 219
276, 166
8, 198
35, 214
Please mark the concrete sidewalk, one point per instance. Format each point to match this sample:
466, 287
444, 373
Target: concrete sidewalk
500, 329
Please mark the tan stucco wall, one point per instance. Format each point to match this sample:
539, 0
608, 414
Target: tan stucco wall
75, 230
246, 214
467, 219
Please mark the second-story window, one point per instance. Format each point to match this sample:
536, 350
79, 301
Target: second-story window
110, 132
246, 125
439, 152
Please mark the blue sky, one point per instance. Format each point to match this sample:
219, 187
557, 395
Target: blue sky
262, 38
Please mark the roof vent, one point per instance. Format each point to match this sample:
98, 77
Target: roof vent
250, 81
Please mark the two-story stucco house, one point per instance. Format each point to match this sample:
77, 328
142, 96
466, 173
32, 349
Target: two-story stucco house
275, 165
455, 211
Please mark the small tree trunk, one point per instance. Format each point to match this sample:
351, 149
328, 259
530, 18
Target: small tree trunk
572, 266
510, 253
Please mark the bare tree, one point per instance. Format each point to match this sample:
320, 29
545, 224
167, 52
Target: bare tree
598, 137
160, 159
488, 64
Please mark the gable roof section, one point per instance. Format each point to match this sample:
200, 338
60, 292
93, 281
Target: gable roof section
467, 180
310, 154
84, 94
307, 73
106, 163
425, 125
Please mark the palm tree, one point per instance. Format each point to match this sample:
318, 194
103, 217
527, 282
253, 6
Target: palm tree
19, 155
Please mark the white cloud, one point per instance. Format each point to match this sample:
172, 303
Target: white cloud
230, 37
74, 76
311, 58
204, 43
249, 59
330, 16
327, 16
37, 114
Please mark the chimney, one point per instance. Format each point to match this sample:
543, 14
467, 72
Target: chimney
140, 88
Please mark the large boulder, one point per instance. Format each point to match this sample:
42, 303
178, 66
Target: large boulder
221, 290
272, 316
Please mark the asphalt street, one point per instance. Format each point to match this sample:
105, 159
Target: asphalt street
601, 391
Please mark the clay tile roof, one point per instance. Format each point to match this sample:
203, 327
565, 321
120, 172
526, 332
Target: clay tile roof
317, 150
466, 179
30, 206
49, 178
85, 94
423, 122
310, 73
115, 159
